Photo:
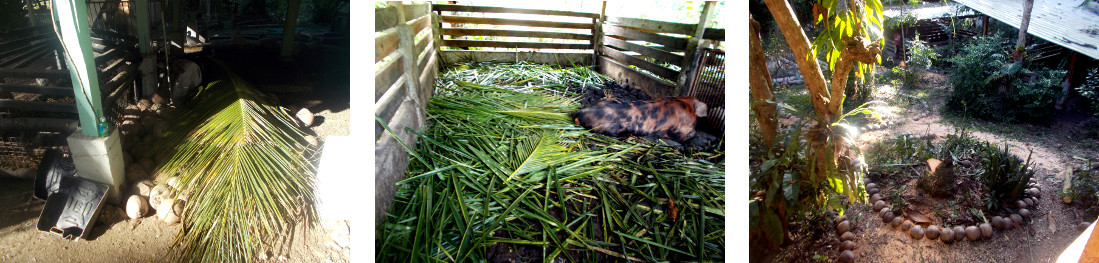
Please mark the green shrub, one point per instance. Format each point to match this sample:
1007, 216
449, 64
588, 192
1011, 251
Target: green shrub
920, 55
1090, 90
1005, 176
979, 69
1085, 189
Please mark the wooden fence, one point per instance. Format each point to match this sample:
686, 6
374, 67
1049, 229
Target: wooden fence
653, 56
405, 77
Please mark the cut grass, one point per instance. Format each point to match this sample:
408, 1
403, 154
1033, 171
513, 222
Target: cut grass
500, 174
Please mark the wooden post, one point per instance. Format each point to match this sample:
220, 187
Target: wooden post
597, 35
72, 21
141, 10
407, 43
288, 31
437, 32
686, 68
984, 25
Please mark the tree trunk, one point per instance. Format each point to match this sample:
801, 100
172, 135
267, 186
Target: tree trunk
760, 84
1020, 45
807, 65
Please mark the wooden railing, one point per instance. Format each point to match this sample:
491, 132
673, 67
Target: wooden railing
571, 40
407, 67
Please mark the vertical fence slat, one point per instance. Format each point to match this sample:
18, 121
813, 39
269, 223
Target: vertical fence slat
692, 45
407, 46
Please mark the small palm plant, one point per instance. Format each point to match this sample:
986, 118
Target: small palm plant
242, 164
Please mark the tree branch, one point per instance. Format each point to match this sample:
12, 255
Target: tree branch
807, 65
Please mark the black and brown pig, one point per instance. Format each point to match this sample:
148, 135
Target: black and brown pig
670, 118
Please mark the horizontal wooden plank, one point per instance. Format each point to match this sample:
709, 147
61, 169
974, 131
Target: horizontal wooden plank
657, 54
15, 43
513, 33
658, 26
714, 34
625, 75
38, 106
671, 42
422, 61
384, 78
385, 43
493, 9
33, 73
661, 71
388, 104
508, 44
386, 18
567, 59
420, 23
44, 90
22, 60
424, 43
514, 22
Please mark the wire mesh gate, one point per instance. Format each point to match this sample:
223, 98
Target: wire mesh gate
708, 85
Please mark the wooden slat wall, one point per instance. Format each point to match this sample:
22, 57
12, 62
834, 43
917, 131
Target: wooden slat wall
648, 45
391, 80
403, 85
571, 43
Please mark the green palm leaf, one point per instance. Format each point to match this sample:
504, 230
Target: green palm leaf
241, 160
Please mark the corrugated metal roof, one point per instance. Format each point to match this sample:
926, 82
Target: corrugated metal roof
926, 11
1064, 22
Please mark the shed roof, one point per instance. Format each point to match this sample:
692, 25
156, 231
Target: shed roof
926, 10
1064, 22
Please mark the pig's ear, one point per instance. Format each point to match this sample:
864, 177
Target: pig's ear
700, 107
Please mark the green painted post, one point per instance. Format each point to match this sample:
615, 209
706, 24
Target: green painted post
141, 10
76, 38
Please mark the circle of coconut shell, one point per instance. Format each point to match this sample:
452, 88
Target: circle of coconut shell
1016, 218
972, 233
906, 225
136, 207
875, 198
1008, 225
879, 205
1036, 192
843, 227
847, 245
847, 256
887, 217
947, 235
1024, 212
896, 222
871, 185
1035, 199
1082, 226
160, 194
998, 222
932, 232
959, 233
143, 188
873, 191
169, 211
1020, 204
986, 230
1029, 202
839, 219
847, 236
916, 232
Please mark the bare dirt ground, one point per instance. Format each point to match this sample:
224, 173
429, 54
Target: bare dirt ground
1050, 230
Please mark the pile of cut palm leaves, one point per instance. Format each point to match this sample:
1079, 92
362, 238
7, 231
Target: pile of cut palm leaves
242, 161
502, 173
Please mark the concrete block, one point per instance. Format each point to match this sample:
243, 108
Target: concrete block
100, 159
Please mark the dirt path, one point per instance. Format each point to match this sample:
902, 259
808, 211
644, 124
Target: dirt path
1051, 229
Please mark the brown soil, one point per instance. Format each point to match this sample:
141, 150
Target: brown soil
1050, 230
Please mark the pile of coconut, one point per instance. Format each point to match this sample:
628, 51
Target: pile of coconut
144, 124
165, 199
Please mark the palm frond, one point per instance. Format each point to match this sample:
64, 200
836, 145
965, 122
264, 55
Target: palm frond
241, 160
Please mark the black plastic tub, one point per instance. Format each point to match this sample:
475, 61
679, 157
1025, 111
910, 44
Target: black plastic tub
54, 165
71, 211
